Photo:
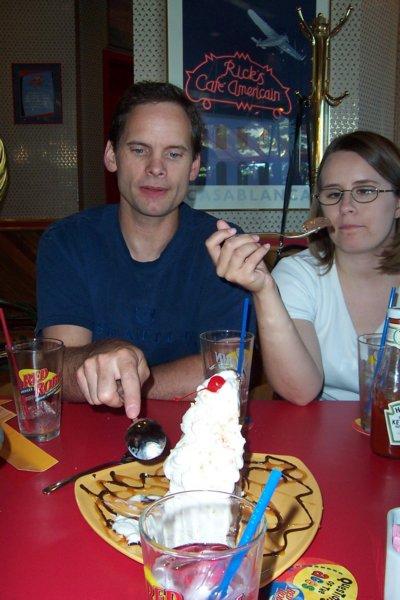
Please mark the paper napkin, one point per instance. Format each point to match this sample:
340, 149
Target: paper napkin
20, 452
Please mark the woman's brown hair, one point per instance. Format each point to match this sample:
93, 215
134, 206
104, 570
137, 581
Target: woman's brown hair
384, 156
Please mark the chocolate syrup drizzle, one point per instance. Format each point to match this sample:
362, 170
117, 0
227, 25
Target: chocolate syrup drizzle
280, 532
121, 487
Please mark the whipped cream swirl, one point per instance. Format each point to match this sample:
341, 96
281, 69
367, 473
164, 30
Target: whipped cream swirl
209, 454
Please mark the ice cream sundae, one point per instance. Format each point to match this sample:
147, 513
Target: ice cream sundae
209, 455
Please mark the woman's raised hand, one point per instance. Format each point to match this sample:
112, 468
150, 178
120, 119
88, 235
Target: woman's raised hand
239, 258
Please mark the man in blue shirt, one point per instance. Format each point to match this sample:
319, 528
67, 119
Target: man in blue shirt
119, 283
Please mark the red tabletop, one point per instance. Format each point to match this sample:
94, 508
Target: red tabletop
49, 552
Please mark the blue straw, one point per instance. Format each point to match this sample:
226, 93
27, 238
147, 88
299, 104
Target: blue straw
245, 312
248, 533
391, 301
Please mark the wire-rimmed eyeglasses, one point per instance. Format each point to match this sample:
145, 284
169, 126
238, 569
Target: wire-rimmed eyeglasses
360, 193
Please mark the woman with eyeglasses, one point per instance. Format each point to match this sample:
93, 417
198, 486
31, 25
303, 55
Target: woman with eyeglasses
316, 303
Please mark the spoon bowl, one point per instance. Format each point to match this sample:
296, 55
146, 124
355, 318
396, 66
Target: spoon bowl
314, 224
310, 226
145, 440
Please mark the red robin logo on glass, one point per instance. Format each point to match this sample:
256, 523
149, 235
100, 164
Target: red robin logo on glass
159, 594
41, 383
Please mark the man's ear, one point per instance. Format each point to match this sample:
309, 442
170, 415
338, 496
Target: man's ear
110, 161
194, 169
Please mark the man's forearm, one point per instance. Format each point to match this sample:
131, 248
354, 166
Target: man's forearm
174, 379
74, 357
166, 381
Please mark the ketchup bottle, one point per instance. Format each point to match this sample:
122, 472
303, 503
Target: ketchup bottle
385, 418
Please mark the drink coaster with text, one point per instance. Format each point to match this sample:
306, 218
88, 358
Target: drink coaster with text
312, 579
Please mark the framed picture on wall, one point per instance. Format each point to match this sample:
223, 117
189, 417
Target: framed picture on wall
242, 64
37, 93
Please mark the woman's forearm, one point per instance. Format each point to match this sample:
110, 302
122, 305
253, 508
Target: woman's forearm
292, 360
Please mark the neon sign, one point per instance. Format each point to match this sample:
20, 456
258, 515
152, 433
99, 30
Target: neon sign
239, 81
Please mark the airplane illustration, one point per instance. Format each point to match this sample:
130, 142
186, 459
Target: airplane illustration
273, 38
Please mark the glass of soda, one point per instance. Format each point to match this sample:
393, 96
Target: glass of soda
190, 538
36, 369
368, 348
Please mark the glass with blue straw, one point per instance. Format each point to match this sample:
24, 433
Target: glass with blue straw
391, 304
248, 533
230, 349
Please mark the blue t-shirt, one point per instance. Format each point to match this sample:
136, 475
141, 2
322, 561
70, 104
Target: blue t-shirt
87, 277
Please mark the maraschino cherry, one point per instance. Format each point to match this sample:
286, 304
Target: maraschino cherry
216, 382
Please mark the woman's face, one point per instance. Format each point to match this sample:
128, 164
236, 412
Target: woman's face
357, 227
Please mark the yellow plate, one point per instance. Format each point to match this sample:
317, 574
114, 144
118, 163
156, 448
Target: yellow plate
293, 516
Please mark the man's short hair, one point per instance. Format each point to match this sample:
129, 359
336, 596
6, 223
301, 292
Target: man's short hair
148, 92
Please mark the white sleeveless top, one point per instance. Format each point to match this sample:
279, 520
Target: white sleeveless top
312, 296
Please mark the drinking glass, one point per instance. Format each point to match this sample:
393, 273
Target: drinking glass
36, 374
220, 351
368, 347
188, 540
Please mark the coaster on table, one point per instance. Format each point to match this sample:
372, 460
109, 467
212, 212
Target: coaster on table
23, 454
312, 578
5, 414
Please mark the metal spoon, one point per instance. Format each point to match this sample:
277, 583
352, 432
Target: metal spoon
145, 441
309, 227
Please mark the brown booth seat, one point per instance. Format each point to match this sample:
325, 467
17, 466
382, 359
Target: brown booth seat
18, 247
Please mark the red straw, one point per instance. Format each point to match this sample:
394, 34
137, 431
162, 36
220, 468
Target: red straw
5, 328
9, 343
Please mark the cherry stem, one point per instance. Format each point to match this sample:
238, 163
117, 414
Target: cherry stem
214, 379
179, 398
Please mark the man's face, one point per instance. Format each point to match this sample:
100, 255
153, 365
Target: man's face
154, 159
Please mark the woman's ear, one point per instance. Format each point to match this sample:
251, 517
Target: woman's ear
397, 211
110, 161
